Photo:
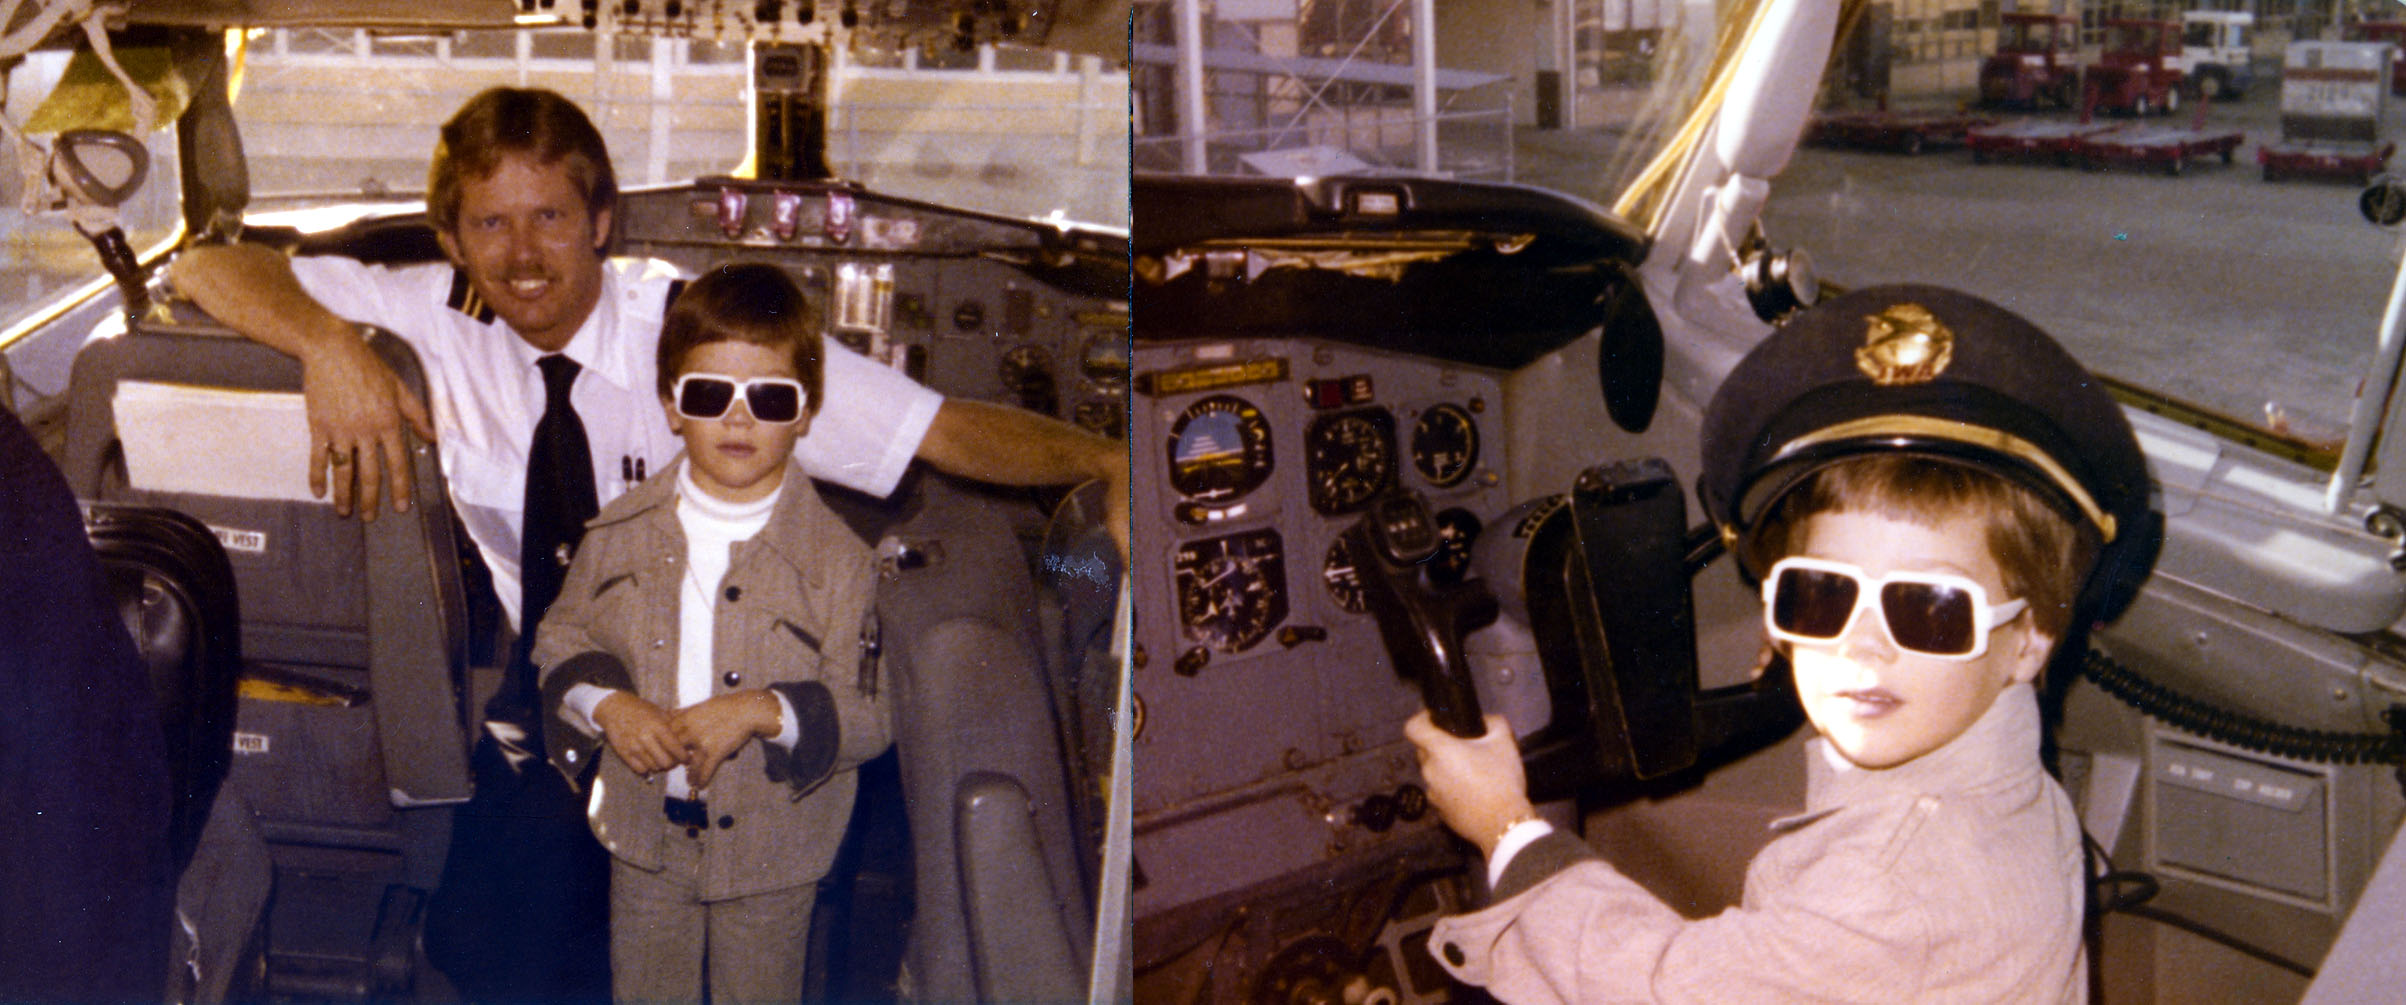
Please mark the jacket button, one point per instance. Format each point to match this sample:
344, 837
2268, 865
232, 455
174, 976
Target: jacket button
725, 822
1453, 954
735, 593
733, 679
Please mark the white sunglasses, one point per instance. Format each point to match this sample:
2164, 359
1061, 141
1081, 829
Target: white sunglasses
776, 400
1815, 600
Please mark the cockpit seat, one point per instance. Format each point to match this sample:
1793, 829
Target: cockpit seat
350, 743
1000, 909
173, 588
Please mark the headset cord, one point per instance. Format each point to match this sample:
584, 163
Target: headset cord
2240, 729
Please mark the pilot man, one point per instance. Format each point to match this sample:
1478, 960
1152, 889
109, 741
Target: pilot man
538, 350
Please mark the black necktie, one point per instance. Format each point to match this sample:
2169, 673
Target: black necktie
559, 499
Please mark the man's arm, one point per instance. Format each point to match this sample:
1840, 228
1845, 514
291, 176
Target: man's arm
357, 406
1014, 446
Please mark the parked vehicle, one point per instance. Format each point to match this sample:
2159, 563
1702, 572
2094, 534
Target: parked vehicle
2037, 58
2164, 145
2392, 32
2333, 106
2217, 51
1904, 132
2140, 71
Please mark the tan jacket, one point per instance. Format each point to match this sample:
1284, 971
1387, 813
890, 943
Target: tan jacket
1955, 877
790, 617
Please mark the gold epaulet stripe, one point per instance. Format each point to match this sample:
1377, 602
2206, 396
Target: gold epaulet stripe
465, 300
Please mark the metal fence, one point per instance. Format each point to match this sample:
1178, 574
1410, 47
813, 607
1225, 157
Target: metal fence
331, 112
1474, 145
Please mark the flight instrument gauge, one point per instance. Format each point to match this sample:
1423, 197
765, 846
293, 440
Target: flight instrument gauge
1344, 578
1027, 375
1349, 457
1232, 589
1445, 445
1219, 449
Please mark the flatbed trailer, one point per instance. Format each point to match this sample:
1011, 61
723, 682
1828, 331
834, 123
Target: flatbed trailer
2171, 147
2356, 159
2059, 139
1905, 132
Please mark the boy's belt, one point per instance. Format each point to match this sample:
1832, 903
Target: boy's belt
685, 812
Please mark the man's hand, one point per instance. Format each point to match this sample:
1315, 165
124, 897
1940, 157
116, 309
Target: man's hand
639, 732
714, 730
357, 406
1478, 784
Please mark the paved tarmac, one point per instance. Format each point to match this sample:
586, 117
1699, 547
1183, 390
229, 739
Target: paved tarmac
2215, 287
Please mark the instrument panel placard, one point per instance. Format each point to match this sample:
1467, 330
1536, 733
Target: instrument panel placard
1214, 377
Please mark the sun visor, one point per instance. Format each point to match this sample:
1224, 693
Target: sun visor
88, 96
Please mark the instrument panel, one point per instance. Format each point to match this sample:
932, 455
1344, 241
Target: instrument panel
1253, 457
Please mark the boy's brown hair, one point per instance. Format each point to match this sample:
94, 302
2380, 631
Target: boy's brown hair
2043, 555
500, 121
746, 302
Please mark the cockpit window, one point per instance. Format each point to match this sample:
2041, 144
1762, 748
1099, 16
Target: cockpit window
2174, 221
41, 258
338, 122
1012, 132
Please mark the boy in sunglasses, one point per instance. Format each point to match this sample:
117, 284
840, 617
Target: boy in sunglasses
1935, 499
709, 634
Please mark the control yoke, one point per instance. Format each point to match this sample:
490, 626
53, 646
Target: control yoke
1423, 623
1606, 579
1603, 573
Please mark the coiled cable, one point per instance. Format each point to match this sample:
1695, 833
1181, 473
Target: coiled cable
2240, 729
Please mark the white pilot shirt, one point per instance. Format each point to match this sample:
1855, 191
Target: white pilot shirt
863, 437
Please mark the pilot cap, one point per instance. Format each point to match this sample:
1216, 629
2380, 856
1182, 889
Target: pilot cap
1936, 372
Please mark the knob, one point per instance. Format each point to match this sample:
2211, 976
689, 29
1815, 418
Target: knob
1376, 813
1411, 802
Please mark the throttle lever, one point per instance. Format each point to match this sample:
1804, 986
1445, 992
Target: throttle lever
1423, 624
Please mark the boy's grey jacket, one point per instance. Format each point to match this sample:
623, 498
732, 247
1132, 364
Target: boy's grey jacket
789, 617
1955, 877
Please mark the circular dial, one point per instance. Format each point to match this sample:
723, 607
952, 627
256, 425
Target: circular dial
1105, 358
1027, 376
1457, 529
1219, 449
1344, 579
1232, 589
1445, 445
1348, 458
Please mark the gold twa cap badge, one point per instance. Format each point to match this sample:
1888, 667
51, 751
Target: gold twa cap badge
1905, 344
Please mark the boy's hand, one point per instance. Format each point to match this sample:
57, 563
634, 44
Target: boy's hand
1477, 784
639, 732
713, 730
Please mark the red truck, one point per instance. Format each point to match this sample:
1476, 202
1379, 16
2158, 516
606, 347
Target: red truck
2037, 58
2140, 69
2392, 32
